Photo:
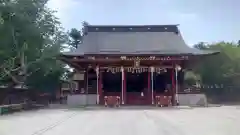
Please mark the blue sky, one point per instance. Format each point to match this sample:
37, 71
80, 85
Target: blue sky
199, 20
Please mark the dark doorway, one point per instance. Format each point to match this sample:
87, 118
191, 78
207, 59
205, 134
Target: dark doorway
136, 87
162, 81
92, 82
136, 82
112, 82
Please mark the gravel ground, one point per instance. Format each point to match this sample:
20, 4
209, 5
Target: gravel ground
196, 121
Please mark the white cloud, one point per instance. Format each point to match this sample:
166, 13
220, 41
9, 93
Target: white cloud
63, 7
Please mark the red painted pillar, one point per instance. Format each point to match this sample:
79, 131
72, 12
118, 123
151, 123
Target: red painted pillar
86, 81
100, 87
149, 87
173, 85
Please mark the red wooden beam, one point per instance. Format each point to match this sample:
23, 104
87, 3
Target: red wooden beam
110, 59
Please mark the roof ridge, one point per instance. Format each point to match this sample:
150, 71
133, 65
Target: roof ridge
134, 25
131, 28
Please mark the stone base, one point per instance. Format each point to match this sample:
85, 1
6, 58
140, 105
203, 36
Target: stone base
192, 99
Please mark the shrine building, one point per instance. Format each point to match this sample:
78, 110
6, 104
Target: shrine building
134, 65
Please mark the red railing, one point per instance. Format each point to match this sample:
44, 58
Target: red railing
135, 98
112, 101
162, 100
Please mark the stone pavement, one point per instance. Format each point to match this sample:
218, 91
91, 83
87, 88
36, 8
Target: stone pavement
195, 121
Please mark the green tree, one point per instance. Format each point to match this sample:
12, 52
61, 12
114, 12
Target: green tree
221, 68
201, 46
30, 40
75, 38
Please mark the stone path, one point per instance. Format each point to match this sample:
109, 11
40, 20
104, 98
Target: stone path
198, 121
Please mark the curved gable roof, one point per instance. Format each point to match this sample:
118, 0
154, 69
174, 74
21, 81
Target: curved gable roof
150, 39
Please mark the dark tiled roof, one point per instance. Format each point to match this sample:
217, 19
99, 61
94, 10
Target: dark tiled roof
137, 40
